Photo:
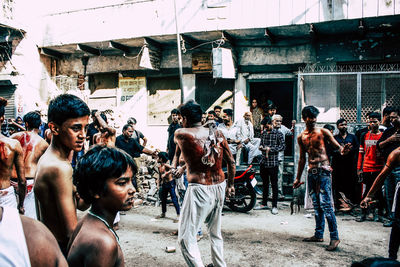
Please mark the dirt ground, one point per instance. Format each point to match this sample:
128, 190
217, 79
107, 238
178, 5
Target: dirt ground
254, 239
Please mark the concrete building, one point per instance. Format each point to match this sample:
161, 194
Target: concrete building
341, 56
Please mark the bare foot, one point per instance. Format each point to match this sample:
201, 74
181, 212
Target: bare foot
333, 245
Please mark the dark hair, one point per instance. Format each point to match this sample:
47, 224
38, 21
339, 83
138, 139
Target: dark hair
271, 106
93, 112
375, 261
388, 110
65, 107
340, 121
126, 126
217, 107
229, 112
375, 115
163, 156
33, 119
309, 112
192, 111
212, 112
266, 120
175, 111
96, 166
132, 120
3, 104
329, 127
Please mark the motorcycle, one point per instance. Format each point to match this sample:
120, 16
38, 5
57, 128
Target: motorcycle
246, 189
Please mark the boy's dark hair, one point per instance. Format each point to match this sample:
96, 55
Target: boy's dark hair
96, 166
271, 106
93, 112
217, 107
175, 111
329, 127
65, 107
3, 104
228, 112
340, 121
33, 119
192, 111
131, 120
266, 120
375, 115
163, 156
309, 112
212, 112
375, 262
126, 126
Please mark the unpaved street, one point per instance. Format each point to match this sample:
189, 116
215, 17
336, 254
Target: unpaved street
254, 239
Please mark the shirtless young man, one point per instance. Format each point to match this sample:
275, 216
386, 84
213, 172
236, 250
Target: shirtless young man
103, 177
392, 162
311, 141
68, 119
203, 150
107, 134
33, 147
26, 242
11, 156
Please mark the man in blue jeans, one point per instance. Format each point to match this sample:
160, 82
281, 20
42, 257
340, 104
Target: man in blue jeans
311, 141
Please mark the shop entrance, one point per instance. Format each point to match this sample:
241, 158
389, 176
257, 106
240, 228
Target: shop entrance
280, 93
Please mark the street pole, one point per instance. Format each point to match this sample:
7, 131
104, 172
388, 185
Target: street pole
178, 41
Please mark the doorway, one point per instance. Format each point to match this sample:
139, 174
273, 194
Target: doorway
281, 94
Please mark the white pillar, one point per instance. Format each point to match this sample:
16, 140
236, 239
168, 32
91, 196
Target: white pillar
240, 105
189, 86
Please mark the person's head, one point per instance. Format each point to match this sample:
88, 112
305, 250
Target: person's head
103, 177
341, 124
394, 118
247, 116
254, 103
227, 116
131, 121
3, 104
277, 121
309, 115
329, 128
163, 157
127, 131
217, 110
267, 123
19, 120
93, 113
175, 115
375, 262
271, 110
68, 117
203, 118
211, 115
385, 114
12, 129
32, 120
374, 119
191, 113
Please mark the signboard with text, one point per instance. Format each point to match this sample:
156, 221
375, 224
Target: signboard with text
130, 86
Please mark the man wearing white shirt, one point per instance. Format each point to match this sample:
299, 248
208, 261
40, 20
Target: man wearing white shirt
247, 133
231, 132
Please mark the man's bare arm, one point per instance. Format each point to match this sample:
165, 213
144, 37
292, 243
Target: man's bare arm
103, 253
177, 154
19, 166
144, 141
302, 162
61, 183
103, 125
231, 167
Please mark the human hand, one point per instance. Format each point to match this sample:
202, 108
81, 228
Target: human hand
346, 149
230, 191
297, 183
360, 176
21, 209
365, 202
394, 138
246, 141
178, 172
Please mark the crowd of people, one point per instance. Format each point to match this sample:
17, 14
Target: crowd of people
49, 171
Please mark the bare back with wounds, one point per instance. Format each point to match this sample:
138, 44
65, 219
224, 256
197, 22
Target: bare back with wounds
190, 143
10, 155
33, 147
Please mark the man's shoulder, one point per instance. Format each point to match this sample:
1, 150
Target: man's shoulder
50, 165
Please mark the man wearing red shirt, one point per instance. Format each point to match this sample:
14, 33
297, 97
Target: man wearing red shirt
370, 161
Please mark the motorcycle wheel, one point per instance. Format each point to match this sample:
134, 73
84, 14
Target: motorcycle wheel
244, 200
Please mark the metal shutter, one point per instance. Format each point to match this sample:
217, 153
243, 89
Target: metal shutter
7, 92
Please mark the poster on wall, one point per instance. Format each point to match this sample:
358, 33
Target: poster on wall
130, 86
160, 105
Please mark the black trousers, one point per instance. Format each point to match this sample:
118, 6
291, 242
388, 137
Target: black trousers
269, 174
368, 180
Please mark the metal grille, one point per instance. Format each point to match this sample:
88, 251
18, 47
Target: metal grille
392, 86
371, 93
348, 97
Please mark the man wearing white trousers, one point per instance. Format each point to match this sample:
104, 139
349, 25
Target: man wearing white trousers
251, 143
203, 150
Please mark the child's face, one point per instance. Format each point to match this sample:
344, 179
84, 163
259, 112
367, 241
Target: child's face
119, 192
72, 132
